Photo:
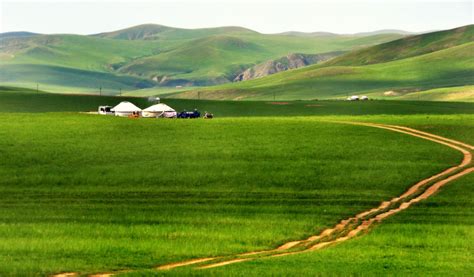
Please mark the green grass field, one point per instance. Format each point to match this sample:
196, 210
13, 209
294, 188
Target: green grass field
145, 199
462, 93
431, 239
88, 193
29, 101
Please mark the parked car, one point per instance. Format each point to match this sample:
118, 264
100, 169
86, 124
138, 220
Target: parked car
105, 110
193, 114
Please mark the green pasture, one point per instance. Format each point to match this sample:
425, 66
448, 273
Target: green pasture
92, 193
461, 93
29, 101
432, 238
89, 193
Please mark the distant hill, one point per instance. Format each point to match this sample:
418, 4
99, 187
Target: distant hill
310, 34
408, 47
385, 31
409, 65
362, 34
17, 35
154, 55
157, 32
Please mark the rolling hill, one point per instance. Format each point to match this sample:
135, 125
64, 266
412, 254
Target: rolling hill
152, 55
161, 32
409, 65
407, 47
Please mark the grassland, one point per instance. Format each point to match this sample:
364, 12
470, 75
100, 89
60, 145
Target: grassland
432, 238
462, 93
421, 63
411, 46
29, 101
95, 197
90, 193
444, 68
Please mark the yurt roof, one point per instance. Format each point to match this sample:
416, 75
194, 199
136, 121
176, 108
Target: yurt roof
159, 108
126, 106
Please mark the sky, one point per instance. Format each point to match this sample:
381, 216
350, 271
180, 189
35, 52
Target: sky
265, 16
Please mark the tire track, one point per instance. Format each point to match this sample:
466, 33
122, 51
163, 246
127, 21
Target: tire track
353, 226
367, 218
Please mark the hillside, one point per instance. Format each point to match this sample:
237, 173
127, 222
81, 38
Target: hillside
151, 55
219, 59
205, 61
408, 47
389, 70
290, 61
450, 67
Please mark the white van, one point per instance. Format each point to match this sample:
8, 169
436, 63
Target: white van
105, 110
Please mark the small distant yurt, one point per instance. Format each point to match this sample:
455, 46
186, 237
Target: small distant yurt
353, 98
159, 110
125, 108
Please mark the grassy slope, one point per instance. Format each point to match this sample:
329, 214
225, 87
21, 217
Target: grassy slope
462, 93
449, 67
217, 59
73, 51
423, 62
70, 61
407, 47
54, 60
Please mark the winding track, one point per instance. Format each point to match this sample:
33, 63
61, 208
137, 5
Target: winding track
353, 226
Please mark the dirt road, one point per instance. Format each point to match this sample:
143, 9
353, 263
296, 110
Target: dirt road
353, 226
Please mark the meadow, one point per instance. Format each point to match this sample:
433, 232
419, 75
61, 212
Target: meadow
88, 193
30, 101
88, 196
430, 239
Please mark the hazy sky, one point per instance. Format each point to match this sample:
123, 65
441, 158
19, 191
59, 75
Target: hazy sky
266, 16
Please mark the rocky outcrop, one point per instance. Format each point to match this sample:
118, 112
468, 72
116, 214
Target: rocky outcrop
291, 61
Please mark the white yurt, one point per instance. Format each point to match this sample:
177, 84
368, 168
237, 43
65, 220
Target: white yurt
159, 110
353, 98
125, 108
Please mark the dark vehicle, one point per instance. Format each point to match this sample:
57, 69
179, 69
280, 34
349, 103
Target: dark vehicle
185, 114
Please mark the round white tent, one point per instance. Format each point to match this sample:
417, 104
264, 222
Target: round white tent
159, 110
125, 108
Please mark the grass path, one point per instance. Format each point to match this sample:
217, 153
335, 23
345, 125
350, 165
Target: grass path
354, 226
